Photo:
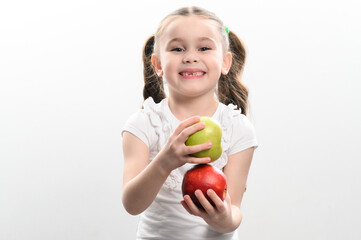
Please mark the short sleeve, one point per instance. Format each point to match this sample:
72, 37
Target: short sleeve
138, 125
243, 135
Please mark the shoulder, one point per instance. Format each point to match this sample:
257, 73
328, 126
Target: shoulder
137, 124
239, 129
230, 115
142, 122
147, 123
150, 113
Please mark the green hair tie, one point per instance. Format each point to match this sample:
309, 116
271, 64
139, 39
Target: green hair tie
227, 30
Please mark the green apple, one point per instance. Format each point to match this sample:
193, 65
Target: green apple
212, 132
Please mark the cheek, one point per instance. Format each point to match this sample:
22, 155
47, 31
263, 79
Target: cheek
169, 69
170, 65
215, 59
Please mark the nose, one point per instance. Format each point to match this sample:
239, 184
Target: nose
190, 57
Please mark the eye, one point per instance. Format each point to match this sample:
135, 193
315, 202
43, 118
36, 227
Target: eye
176, 49
204, 49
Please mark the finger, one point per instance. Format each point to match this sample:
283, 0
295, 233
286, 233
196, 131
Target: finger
204, 202
228, 197
199, 147
227, 200
186, 123
183, 136
184, 204
196, 160
216, 199
191, 206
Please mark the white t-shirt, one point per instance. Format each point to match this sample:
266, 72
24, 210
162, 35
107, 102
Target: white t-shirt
166, 218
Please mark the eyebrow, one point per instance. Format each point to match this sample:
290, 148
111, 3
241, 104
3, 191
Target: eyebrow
199, 39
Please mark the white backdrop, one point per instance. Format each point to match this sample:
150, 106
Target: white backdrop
71, 74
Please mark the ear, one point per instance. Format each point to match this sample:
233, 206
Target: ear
227, 62
157, 65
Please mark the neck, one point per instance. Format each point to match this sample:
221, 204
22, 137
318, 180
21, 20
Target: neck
185, 108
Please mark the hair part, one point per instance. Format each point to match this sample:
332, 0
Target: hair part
191, 11
230, 87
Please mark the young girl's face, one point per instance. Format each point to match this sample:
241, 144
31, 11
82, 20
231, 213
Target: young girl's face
191, 56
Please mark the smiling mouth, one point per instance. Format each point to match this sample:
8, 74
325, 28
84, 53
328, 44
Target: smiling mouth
189, 74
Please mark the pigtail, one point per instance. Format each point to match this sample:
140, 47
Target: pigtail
230, 87
153, 85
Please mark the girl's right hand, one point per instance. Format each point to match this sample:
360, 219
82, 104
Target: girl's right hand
175, 153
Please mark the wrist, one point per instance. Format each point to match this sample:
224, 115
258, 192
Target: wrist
236, 218
163, 168
232, 224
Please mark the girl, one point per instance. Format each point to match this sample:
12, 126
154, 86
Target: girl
201, 61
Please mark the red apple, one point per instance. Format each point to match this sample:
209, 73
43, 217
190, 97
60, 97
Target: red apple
204, 177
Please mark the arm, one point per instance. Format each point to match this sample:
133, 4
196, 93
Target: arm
226, 216
142, 179
141, 182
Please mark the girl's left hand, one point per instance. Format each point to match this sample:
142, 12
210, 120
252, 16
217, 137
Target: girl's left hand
218, 217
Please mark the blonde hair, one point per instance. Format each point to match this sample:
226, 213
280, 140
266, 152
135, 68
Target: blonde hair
230, 87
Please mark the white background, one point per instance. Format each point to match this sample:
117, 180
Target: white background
71, 75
